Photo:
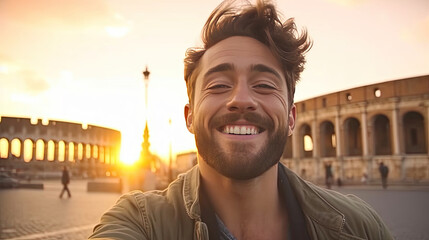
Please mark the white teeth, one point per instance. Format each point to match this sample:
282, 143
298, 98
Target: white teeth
240, 130
236, 130
243, 130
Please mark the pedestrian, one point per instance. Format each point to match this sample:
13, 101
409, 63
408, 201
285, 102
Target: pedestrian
329, 176
65, 180
364, 178
241, 87
384, 172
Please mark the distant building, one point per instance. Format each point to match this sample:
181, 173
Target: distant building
46, 147
356, 129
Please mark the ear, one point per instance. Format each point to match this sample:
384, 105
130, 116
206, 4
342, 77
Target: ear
189, 118
292, 117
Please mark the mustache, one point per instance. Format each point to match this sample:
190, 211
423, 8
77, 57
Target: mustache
251, 117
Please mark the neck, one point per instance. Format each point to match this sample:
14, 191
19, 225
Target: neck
247, 207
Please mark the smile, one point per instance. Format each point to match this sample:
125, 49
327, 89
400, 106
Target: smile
241, 130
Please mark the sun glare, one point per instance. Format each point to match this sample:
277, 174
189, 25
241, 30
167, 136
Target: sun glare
116, 31
130, 150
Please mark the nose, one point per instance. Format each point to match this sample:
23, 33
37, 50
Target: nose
241, 99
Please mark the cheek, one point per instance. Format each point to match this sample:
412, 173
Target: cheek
205, 108
276, 107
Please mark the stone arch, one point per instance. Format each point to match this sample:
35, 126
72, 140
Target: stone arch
80, 153
306, 141
16, 148
71, 155
414, 133
382, 140
51, 151
327, 139
4, 148
40, 149
29, 153
352, 137
61, 154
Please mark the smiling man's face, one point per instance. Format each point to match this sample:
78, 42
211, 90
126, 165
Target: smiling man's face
240, 114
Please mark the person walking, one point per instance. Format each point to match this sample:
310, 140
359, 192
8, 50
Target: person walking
65, 180
329, 176
384, 172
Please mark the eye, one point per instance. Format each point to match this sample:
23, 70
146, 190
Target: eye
218, 87
265, 86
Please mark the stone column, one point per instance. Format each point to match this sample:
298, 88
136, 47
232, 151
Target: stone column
76, 152
338, 136
56, 151
66, 152
339, 142
315, 138
9, 149
84, 152
364, 130
21, 150
315, 134
45, 151
33, 155
395, 128
99, 154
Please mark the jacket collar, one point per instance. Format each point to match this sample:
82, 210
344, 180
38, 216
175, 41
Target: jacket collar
191, 186
313, 205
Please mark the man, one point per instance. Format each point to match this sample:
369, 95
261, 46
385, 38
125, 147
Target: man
65, 180
329, 176
384, 172
240, 88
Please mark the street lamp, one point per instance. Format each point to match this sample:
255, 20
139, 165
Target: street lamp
146, 144
146, 74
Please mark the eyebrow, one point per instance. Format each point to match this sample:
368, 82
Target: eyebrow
220, 68
265, 68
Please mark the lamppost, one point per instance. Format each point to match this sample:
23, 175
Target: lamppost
146, 74
144, 156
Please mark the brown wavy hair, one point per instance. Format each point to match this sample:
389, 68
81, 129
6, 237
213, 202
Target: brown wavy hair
261, 22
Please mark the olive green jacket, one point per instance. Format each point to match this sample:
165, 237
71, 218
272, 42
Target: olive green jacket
175, 213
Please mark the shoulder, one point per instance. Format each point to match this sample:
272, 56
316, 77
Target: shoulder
333, 210
360, 219
146, 215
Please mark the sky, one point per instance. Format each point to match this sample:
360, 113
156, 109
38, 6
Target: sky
82, 61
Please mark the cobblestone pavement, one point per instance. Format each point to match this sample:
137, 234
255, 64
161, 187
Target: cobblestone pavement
405, 210
40, 214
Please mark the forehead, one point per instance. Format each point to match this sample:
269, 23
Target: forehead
240, 51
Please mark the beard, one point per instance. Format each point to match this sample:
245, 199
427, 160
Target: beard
238, 162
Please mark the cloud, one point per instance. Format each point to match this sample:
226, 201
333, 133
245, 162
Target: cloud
73, 15
18, 79
33, 83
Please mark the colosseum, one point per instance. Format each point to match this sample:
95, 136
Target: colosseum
41, 147
355, 130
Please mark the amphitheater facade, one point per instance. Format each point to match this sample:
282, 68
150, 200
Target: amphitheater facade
47, 146
356, 129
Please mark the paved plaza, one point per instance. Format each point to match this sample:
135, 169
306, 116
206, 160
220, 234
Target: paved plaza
40, 214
